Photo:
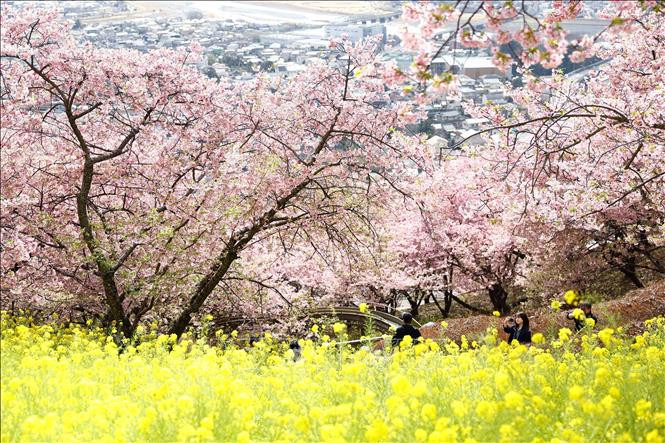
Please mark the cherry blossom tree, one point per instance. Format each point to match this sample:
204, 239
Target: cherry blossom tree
134, 187
464, 235
580, 156
586, 153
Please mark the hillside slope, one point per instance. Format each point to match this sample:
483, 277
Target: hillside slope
629, 311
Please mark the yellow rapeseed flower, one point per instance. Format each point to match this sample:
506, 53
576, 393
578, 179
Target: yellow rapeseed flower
653, 437
570, 297
406, 342
514, 400
564, 334
486, 410
578, 314
428, 412
460, 408
243, 437
401, 386
538, 338
606, 336
339, 328
62, 382
642, 408
575, 392
377, 431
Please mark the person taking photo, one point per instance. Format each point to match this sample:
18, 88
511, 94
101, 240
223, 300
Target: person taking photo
581, 317
517, 328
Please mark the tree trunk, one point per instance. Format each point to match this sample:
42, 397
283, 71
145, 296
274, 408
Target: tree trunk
468, 306
647, 249
447, 303
658, 265
204, 289
498, 297
113, 300
391, 302
414, 305
628, 269
448, 300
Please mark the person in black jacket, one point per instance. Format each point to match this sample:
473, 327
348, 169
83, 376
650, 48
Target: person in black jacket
405, 329
518, 328
295, 347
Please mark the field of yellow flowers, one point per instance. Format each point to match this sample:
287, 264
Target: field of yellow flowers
72, 384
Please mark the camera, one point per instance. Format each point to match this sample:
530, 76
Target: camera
511, 320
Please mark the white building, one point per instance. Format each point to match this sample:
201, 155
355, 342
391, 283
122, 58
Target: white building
355, 33
474, 66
